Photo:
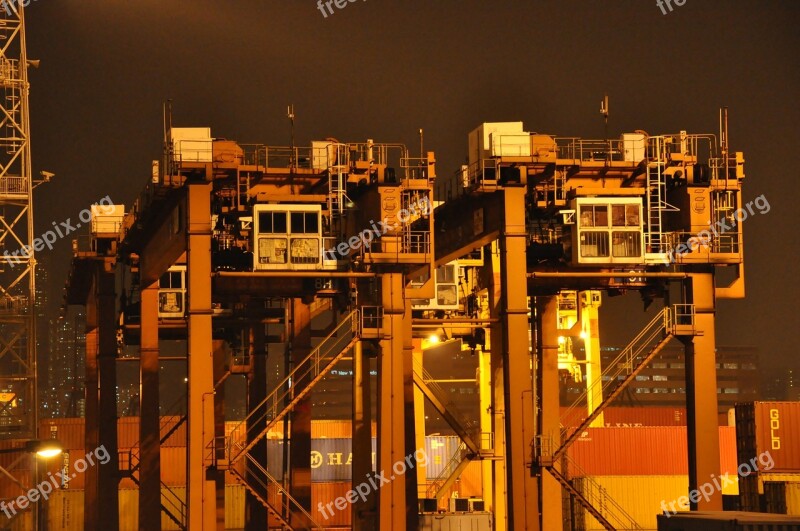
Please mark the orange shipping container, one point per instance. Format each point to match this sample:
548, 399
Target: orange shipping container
641, 451
772, 427
629, 417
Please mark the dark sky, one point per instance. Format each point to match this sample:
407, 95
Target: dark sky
383, 68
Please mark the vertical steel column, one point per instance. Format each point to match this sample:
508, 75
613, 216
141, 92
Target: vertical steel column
589, 302
419, 421
547, 368
200, 495
523, 495
150, 425
496, 367
300, 429
255, 512
91, 501
701, 392
363, 511
408, 477
101, 502
391, 406
219, 355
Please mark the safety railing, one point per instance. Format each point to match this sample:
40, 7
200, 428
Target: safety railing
13, 185
684, 244
14, 305
303, 376
273, 496
622, 365
483, 173
415, 167
447, 470
471, 428
590, 150
372, 322
598, 497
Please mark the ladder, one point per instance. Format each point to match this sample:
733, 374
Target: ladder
338, 167
656, 196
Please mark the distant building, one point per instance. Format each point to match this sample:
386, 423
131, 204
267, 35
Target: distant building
65, 370
663, 383
781, 384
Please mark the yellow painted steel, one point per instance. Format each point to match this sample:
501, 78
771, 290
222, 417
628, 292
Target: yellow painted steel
201, 499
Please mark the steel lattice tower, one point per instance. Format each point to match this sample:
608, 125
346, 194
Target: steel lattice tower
18, 404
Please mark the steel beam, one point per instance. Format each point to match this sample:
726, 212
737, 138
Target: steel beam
363, 511
255, 512
391, 406
300, 428
150, 424
522, 493
549, 421
497, 363
701, 391
101, 502
200, 495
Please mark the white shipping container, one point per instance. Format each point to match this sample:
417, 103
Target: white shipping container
107, 219
192, 144
480, 144
511, 145
633, 146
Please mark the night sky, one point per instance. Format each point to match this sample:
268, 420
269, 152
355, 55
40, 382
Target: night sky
383, 68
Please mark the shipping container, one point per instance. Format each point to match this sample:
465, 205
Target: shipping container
793, 499
639, 496
641, 451
456, 522
771, 428
728, 521
65, 510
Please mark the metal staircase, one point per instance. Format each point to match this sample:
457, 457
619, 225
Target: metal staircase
278, 403
305, 375
468, 430
451, 471
596, 500
171, 504
677, 320
271, 494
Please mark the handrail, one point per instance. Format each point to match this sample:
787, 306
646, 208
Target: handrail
619, 514
308, 368
624, 360
471, 427
447, 470
279, 490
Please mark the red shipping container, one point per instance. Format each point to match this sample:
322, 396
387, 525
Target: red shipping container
629, 417
641, 451
772, 427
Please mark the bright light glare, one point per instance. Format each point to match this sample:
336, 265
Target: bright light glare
584, 335
49, 451
433, 339
560, 340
